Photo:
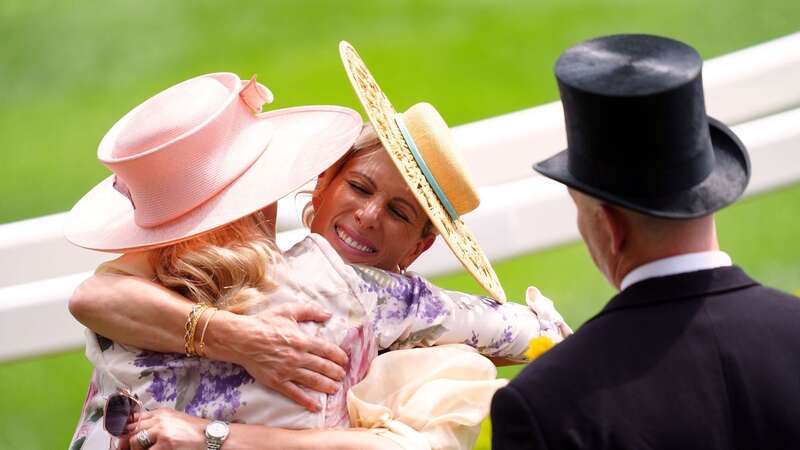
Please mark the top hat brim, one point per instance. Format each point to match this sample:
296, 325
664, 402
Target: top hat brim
726, 182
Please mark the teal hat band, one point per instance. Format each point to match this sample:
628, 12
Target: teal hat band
424, 167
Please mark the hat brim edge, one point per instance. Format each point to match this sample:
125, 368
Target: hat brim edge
448, 229
102, 219
730, 154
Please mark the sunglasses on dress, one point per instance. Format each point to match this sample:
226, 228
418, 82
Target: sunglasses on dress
121, 411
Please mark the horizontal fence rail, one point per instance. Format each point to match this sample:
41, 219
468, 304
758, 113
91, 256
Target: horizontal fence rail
756, 90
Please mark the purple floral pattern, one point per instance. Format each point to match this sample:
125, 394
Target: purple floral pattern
410, 312
210, 389
371, 309
361, 348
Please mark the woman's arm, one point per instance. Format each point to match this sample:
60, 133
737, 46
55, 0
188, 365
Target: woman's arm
172, 430
134, 311
412, 312
270, 345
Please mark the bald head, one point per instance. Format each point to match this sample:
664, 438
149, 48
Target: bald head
620, 240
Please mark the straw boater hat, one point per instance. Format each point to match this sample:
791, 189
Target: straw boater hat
200, 155
421, 146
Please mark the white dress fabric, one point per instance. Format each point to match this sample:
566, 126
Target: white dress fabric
372, 311
426, 398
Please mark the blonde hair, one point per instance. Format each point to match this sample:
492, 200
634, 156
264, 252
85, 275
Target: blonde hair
230, 268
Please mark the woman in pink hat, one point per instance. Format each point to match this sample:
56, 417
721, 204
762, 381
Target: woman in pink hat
192, 204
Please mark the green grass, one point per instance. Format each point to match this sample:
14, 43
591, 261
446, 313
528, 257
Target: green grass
70, 69
47, 393
42, 400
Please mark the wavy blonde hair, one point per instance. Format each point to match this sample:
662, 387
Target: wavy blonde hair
230, 268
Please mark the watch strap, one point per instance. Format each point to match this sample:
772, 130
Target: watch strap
215, 442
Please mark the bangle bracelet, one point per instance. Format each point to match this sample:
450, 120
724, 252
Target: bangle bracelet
201, 349
191, 328
195, 333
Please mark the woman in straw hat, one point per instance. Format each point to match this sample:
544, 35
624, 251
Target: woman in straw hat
150, 157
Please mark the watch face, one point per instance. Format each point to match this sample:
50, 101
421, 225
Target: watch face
217, 430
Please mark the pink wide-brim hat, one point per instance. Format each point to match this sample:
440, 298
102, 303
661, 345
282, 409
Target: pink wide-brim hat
200, 155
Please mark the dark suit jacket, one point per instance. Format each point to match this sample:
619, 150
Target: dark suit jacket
706, 360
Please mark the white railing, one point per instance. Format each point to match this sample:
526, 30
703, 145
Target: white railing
756, 90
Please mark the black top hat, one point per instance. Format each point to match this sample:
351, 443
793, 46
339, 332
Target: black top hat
637, 131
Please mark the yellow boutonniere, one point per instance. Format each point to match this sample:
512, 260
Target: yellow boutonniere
537, 346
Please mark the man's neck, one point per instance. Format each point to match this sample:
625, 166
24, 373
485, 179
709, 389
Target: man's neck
634, 259
672, 265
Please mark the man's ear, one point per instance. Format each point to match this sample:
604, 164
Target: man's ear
616, 225
422, 245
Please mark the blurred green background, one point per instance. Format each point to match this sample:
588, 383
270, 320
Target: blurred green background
70, 69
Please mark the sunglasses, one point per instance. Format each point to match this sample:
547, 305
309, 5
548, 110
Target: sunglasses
121, 411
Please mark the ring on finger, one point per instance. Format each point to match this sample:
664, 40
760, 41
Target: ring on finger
143, 437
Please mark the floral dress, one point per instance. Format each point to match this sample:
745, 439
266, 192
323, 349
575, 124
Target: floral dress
372, 311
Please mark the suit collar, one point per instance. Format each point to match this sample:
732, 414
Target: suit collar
680, 286
673, 265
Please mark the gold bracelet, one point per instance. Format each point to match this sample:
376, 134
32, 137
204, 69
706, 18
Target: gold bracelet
198, 319
191, 328
201, 349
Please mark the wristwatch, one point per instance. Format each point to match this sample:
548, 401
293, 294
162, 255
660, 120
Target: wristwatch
216, 433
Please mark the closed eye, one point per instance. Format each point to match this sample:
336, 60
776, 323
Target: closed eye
358, 187
400, 214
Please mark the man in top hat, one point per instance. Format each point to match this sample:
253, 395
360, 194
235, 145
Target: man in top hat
691, 353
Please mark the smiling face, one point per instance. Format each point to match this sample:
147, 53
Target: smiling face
369, 215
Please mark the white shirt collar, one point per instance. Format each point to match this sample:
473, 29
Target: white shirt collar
689, 262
